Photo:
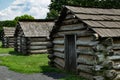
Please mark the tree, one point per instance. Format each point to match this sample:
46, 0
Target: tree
25, 16
56, 5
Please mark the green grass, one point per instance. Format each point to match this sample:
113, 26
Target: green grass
28, 64
5, 50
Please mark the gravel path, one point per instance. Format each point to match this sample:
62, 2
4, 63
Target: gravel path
6, 74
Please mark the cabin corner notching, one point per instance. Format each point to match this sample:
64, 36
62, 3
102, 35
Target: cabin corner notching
86, 41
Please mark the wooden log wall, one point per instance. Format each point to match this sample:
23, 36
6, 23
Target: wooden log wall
84, 43
93, 57
8, 42
116, 56
5, 42
36, 45
18, 40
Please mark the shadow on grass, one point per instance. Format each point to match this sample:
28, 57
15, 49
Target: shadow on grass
53, 72
16, 53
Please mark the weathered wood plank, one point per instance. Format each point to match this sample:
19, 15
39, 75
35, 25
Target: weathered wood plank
85, 38
59, 50
85, 68
37, 51
86, 75
37, 39
114, 57
39, 43
60, 62
70, 16
58, 66
70, 21
86, 59
58, 42
83, 43
37, 47
60, 55
80, 33
85, 52
72, 27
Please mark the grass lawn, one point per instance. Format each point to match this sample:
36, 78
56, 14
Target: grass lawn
5, 50
29, 64
32, 64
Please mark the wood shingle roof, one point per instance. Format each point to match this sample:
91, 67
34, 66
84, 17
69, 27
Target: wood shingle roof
8, 31
36, 28
105, 22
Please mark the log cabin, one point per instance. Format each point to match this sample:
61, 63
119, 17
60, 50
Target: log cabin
8, 37
32, 36
86, 41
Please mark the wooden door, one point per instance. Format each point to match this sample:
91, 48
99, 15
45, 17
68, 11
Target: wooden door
70, 53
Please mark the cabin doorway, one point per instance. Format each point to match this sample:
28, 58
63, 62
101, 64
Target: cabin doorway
70, 53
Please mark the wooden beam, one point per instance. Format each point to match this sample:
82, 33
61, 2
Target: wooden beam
86, 61
37, 47
60, 55
60, 62
89, 43
72, 27
114, 57
58, 50
37, 51
85, 68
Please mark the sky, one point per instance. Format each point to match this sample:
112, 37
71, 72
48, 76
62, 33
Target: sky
9, 9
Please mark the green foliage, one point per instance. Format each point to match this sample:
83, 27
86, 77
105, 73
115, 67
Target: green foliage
23, 17
56, 5
7, 23
53, 14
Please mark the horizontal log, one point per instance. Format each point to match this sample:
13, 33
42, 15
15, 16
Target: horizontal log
70, 21
37, 47
37, 39
117, 53
58, 46
86, 60
85, 68
39, 43
83, 43
78, 33
85, 52
58, 50
37, 51
59, 38
86, 75
98, 78
72, 27
110, 74
85, 38
61, 42
60, 62
114, 57
58, 66
116, 67
70, 16
60, 55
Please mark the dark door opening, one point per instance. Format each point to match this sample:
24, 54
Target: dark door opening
70, 53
